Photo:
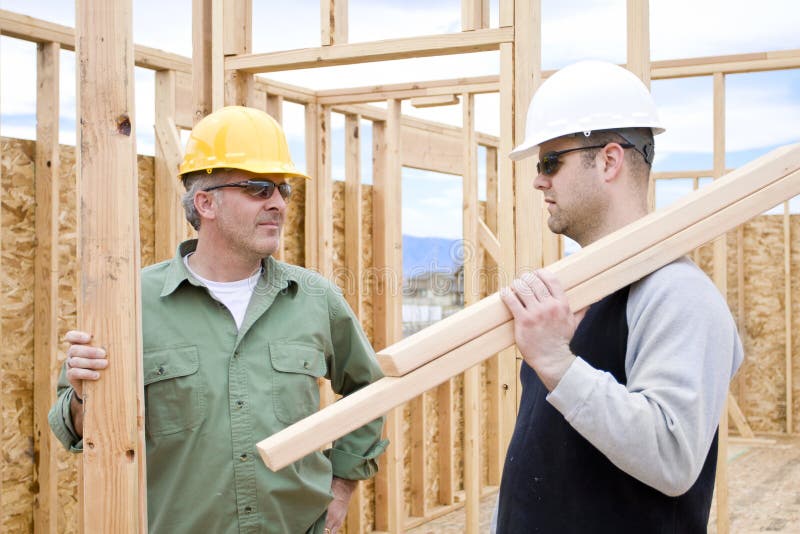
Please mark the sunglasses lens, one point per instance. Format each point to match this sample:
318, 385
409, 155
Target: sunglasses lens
548, 164
260, 189
285, 189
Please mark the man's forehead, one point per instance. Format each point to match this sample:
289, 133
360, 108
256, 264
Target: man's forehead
559, 143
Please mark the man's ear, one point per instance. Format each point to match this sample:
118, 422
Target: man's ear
611, 157
205, 202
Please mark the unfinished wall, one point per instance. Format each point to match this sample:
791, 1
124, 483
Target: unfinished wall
760, 387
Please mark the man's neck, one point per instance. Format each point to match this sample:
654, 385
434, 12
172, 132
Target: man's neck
219, 266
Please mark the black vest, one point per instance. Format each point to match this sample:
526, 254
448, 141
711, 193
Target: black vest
556, 481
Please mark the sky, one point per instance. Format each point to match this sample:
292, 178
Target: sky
763, 109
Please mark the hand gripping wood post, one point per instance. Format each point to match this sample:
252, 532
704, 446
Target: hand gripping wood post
114, 489
476, 333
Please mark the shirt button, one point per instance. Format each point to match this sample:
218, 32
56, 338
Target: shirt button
236, 354
243, 457
240, 404
248, 509
160, 371
306, 365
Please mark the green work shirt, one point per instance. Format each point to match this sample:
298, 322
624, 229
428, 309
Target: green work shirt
212, 391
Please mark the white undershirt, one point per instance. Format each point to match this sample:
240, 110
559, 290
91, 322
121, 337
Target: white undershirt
234, 295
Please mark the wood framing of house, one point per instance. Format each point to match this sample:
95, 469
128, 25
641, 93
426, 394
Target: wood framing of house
512, 232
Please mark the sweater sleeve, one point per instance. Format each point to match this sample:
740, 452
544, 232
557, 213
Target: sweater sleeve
682, 351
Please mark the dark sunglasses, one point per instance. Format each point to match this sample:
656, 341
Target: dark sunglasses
549, 162
259, 188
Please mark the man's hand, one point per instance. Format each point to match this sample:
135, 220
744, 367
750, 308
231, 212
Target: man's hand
342, 490
543, 324
83, 363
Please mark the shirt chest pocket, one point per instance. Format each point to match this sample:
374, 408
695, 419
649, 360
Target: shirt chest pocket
175, 396
295, 390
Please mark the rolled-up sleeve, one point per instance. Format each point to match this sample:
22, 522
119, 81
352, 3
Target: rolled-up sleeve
352, 366
60, 417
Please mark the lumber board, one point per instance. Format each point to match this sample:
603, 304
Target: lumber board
237, 37
350, 54
169, 213
455, 330
419, 453
40, 31
721, 479
531, 237
472, 389
353, 214
109, 306
738, 418
202, 86
431, 151
333, 22
507, 375
351, 412
45, 301
217, 54
446, 422
638, 41
311, 233
474, 14
434, 101
377, 93
488, 241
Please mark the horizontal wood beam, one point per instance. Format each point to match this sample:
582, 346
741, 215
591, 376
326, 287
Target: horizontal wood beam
349, 54
435, 101
376, 93
576, 269
353, 411
730, 64
40, 31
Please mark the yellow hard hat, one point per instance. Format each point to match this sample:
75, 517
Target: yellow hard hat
236, 137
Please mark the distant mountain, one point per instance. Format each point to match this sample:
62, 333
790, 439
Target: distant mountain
425, 254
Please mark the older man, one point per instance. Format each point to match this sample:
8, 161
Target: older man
616, 430
234, 344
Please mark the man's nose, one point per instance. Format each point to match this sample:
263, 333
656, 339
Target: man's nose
541, 182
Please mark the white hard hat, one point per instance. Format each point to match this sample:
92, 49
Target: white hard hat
584, 97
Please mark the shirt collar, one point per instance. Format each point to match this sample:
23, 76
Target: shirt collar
274, 273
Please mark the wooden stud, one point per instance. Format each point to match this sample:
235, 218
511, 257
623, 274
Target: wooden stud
472, 389
434, 101
312, 169
787, 307
275, 107
739, 381
419, 455
638, 17
720, 277
365, 405
353, 213
217, 54
356, 522
638, 56
333, 15
474, 15
732, 64
169, 214
323, 183
351, 54
202, 100
531, 238
695, 187
237, 37
109, 306
45, 302
447, 434
439, 338
387, 320
507, 381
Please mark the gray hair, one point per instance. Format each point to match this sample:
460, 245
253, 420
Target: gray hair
195, 182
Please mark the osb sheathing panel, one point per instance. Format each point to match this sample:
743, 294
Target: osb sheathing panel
18, 249
16, 397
